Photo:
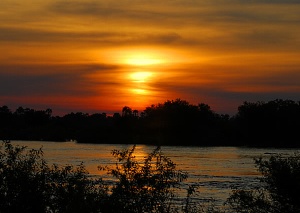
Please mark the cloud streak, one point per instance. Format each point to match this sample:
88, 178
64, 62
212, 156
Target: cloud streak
51, 80
38, 35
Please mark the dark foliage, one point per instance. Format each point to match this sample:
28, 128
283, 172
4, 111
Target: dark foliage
177, 122
28, 184
143, 187
275, 123
280, 191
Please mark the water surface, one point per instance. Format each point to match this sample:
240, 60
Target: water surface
215, 169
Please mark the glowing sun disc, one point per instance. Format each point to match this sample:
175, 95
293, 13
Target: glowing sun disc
140, 76
140, 91
145, 58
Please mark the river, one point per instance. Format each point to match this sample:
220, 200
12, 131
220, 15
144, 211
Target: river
216, 170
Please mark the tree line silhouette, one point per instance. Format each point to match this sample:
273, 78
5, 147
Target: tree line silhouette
175, 122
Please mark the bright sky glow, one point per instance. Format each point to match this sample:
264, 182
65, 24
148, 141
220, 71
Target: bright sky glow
141, 60
140, 76
140, 91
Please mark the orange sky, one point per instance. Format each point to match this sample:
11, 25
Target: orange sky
98, 56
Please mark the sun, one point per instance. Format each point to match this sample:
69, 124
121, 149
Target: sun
140, 57
140, 82
142, 60
140, 77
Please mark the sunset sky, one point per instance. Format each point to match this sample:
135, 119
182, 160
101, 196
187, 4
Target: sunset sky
100, 55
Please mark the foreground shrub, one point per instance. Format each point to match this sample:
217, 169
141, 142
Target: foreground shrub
281, 187
28, 184
143, 187
23, 183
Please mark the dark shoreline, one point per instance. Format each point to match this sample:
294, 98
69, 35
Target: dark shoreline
173, 123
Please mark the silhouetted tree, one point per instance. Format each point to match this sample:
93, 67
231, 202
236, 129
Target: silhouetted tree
146, 187
179, 122
135, 113
280, 190
126, 111
174, 122
28, 184
274, 123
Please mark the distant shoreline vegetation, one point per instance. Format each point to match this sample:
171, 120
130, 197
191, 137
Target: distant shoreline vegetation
177, 122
